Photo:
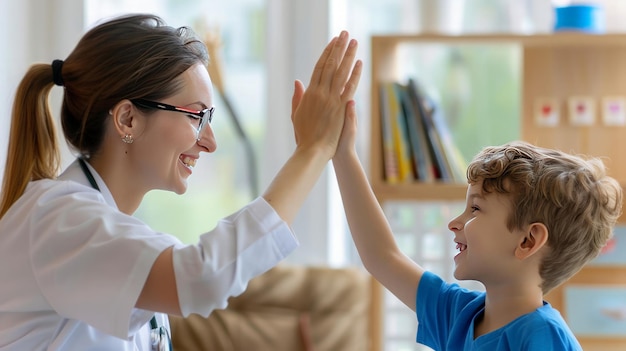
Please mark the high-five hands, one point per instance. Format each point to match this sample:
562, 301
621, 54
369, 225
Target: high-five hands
318, 112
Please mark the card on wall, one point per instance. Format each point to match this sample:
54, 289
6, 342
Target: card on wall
581, 110
596, 310
547, 112
612, 253
614, 111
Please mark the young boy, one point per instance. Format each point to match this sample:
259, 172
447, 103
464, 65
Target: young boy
533, 218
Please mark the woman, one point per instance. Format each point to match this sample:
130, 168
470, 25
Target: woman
81, 273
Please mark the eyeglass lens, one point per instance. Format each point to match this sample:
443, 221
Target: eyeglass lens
206, 119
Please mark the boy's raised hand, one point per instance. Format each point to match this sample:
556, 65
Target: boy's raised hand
347, 140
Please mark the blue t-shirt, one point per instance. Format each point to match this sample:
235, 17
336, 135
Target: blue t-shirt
446, 315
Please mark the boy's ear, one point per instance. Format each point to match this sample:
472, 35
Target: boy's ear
536, 237
123, 118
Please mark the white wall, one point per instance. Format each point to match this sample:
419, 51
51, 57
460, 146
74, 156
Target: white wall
34, 31
298, 30
14, 38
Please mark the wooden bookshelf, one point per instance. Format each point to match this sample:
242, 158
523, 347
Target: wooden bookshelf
557, 66
554, 65
421, 191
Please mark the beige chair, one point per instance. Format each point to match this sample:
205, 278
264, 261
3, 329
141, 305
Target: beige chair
289, 308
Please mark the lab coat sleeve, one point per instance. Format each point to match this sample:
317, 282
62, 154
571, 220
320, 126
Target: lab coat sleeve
91, 261
242, 246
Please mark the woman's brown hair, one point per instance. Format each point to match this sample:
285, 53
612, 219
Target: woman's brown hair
128, 57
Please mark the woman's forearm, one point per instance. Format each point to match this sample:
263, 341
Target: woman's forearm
294, 181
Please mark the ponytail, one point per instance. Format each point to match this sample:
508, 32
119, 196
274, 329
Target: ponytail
33, 151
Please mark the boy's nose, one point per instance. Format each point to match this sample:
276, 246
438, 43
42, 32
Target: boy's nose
456, 223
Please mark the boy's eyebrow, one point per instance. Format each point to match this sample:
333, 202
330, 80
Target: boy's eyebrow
475, 196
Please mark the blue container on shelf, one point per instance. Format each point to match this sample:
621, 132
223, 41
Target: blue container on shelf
580, 17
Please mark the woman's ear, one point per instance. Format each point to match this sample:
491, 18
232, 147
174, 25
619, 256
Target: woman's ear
536, 237
124, 120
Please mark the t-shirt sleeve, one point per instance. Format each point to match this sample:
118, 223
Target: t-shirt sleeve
438, 305
543, 330
432, 321
549, 339
90, 260
242, 246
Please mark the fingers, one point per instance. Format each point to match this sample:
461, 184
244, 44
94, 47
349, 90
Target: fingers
334, 59
319, 111
334, 69
351, 111
350, 122
298, 93
341, 76
349, 88
321, 62
351, 117
347, 140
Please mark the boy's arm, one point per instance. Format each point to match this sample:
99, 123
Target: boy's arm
370, 230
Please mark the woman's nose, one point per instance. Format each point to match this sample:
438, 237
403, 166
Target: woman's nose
206, 139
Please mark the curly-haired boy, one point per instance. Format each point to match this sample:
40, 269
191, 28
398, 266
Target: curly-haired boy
533, 218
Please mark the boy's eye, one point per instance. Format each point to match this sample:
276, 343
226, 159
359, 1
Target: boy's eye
475, 208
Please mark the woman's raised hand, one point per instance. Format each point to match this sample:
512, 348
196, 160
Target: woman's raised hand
318, 112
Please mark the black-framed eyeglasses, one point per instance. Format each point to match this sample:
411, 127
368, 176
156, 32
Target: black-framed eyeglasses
203, 117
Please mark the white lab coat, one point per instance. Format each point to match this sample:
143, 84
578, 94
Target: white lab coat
72, 266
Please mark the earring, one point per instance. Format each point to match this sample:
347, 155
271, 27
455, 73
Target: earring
128, 139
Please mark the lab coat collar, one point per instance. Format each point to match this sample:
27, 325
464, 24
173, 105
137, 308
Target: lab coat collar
74, 173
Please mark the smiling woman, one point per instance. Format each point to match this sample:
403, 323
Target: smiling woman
126, 149
240, 26
164, 137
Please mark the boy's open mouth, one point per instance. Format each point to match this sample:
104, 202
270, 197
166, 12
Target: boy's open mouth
461, 247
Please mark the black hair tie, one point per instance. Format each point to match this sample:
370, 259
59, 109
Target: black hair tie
57, 65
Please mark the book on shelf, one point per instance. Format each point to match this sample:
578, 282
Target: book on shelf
390, 168
417, 143
435, 147
397, 124
454, 158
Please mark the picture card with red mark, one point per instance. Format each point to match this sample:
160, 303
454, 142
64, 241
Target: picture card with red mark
614, 110
547, 112
582, 110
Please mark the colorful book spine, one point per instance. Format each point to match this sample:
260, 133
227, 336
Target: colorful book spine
455, 160
399, 134
417, 144
422, 162
389, 156
436, 152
